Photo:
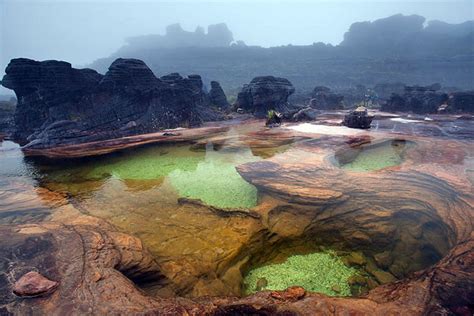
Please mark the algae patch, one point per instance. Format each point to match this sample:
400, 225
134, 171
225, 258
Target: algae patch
320, 272
216, 182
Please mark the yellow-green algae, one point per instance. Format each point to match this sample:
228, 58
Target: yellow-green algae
216, 181
209, 176
322, 272
378, 157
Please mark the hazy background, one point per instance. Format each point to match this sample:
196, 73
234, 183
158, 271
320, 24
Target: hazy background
82, 31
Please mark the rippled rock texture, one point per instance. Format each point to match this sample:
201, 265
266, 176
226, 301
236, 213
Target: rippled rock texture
266, 93
60, 105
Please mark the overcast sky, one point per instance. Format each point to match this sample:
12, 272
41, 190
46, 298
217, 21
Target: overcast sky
82, 31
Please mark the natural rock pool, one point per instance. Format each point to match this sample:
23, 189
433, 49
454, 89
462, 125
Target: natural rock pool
254, 209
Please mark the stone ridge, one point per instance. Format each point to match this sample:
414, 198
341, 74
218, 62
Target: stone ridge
60, 105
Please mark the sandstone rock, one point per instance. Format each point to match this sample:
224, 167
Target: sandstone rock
266, 93
217, 96
324, 99
60, 105
359, 118
34, 284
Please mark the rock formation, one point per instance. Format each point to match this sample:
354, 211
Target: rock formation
359, 118
462, 101
416, 99
217, 96
324, 99
7, 112
60, 105
265, 93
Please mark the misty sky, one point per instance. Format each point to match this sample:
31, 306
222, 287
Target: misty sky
82, 31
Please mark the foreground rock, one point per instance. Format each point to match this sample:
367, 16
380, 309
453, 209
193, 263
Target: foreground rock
34, 284
263, 94
60, 105
359, 118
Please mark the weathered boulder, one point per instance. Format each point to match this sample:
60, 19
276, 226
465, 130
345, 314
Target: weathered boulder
60, 105
359, 118
265, 93
416, 99
217, 96
324, 99
34, 284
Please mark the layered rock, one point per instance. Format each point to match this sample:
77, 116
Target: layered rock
217, 96
416, 99
324, 99
265, 93
61, 105
359, 118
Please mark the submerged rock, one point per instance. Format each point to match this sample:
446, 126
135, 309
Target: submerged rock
263, 94
359, 118
34, 284
60, 105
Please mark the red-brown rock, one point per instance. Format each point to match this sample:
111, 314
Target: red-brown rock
34, 284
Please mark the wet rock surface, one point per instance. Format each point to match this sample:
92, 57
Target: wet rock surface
60, 105
266, 93
411, 222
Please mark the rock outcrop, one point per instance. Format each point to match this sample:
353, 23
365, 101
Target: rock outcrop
359, 118
462, 101
60, 105
323, 99
416, 99
265, 93
217, 96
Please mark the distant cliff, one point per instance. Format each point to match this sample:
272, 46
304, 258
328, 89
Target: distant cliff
394, 49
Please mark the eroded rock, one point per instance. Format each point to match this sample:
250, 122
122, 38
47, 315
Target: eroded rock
60, 105
359, 118
34, 284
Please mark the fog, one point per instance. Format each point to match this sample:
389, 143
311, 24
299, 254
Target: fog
82, 31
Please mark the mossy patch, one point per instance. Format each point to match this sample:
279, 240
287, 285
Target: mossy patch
322, 272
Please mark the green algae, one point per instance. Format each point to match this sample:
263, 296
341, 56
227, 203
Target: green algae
148, 165
388, 154
216, 182
320, 272
209, 176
